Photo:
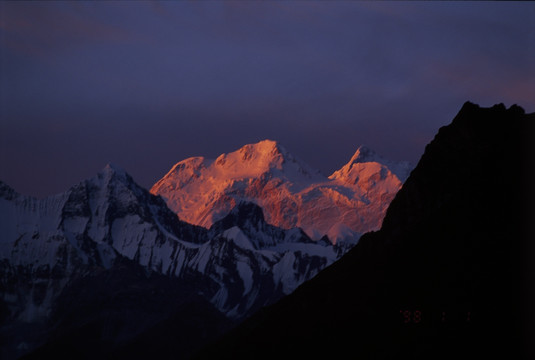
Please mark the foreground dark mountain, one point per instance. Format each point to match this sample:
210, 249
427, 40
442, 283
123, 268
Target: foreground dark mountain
447, 276
82, 271
102, 315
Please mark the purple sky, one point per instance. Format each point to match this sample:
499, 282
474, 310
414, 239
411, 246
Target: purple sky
147, 84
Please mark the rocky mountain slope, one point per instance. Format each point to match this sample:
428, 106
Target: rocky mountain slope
49, 246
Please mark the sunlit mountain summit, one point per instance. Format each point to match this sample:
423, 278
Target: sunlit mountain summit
351, 201
230, 235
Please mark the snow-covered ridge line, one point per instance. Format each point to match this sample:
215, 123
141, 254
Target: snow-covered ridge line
242, 262
364, 154
351, 201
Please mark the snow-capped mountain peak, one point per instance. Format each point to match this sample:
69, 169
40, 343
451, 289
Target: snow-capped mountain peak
365, 154
291, 193
106, 219
115, 172
202, 191
112, 168
264, 157
252, 159
265, 209
267, 151
375, 163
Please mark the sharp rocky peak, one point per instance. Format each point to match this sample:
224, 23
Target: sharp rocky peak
112, 171
114, 180
364, 154
366, 157
470, 110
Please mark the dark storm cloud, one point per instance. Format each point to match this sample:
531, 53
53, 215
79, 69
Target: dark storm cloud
146, 84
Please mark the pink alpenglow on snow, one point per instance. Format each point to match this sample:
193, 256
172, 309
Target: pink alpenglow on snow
351, 201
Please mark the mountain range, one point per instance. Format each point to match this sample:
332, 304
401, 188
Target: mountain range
54, 249
344, 205
109, 269
448, 275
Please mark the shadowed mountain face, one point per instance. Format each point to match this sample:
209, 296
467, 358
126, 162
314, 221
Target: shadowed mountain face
65, 289
110, 313
447, 275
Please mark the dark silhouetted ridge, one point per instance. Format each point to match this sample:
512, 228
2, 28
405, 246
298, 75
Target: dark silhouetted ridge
448, 274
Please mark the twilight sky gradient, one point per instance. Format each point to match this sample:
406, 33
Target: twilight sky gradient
147, 84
